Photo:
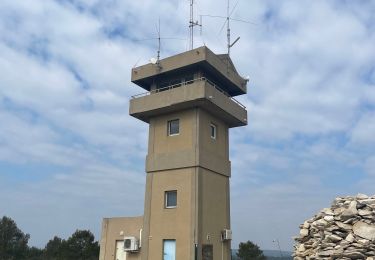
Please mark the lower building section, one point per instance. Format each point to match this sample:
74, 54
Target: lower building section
186, 218
169, 215
196, 224
121, 238
214, 234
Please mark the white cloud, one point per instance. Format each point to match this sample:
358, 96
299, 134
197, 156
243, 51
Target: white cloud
65, 84
370, 166
363, 131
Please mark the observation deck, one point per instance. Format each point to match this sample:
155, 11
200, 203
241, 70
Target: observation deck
199, 92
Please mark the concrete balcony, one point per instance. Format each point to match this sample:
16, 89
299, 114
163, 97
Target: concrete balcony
197, 93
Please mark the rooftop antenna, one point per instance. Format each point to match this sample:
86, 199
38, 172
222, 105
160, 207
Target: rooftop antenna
159, 43
192, 24
229, 44
157, 60
228, 28
228, 18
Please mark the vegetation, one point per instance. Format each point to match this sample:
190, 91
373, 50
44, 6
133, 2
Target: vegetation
14, 245
250, 251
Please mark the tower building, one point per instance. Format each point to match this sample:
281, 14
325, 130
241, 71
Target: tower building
189, 106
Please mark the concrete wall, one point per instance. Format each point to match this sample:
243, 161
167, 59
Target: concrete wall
193, 147
170, 223
114, 229
213, 153
214, 212
198, 167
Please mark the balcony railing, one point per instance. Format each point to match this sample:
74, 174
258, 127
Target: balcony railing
185, 84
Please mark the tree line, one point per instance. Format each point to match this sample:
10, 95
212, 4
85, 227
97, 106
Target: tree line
81, 245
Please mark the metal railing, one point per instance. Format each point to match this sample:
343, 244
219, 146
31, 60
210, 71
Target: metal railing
186, 83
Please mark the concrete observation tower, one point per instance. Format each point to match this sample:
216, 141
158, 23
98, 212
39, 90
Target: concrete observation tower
189, 107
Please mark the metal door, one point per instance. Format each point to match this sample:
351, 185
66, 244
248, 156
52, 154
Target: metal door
169, 249
120, 253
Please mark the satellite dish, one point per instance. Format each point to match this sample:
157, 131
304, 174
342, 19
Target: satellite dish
247, 78
153, 61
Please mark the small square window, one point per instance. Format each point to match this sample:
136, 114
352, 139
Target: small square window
170, 199
174, 127
213, 129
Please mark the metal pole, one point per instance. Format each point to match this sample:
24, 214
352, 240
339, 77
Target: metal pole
278, 245
191, 24
159, 43
228, 29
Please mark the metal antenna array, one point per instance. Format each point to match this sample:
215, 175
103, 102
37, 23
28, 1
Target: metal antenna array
192, 24
159, 38
230, 45
159, 43
228, 18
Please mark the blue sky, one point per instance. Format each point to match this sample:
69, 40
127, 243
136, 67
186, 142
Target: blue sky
70, 154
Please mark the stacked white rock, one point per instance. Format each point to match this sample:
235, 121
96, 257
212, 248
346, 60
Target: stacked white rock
344, 231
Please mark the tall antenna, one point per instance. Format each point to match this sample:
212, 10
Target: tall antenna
159, 43
228, 19
228, 28
229, 44
192, 24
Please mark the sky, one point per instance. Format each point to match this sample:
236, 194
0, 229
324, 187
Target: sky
70, 154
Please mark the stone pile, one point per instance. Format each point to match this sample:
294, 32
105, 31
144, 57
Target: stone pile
344, 231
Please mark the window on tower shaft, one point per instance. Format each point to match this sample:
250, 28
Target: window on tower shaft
170, 199
213, 129
174, 127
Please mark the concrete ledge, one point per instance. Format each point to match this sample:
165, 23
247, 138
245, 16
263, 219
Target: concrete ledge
220, 65
198, 94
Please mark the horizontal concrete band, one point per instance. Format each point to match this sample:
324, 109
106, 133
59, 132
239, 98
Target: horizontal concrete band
185, 159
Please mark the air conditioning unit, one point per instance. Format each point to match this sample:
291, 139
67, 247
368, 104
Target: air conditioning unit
130, 244
226, 234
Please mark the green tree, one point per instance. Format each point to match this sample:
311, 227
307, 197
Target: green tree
13, 242
250, 251
34, 253
53, 249
80, 246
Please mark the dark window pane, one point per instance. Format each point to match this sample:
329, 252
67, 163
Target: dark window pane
207, 252
176, 83
171, 199
174, 127
189, 79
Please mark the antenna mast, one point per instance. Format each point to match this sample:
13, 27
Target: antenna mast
228, 29
159, 43
192, 24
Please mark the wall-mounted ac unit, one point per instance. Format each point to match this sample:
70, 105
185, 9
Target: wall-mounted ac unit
226, 234
130, 244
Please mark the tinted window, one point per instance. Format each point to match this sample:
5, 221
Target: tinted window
174, 127
171, 199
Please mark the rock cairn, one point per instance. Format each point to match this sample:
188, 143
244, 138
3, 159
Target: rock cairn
344, 231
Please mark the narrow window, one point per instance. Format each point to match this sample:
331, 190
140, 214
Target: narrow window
170, 199
213, 129
174, 127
